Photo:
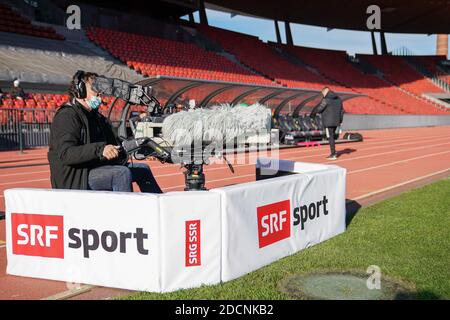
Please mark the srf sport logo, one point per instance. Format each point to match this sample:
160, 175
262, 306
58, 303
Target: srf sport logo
274, 220
43, 236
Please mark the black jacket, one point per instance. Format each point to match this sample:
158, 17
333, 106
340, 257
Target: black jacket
331, 109
17, 92
71, 154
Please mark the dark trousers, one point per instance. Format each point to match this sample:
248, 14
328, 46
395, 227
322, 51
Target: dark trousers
330, 134
120, 178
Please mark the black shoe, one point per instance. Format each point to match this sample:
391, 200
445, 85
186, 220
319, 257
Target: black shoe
332, 157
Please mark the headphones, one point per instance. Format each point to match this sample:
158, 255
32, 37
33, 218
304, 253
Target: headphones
79, 90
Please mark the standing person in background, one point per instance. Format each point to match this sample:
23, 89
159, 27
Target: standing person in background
332, 116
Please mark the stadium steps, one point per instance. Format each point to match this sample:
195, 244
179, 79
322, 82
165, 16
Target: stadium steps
297, 61
232, 57
335, 64
211, 44
416, 65
235, 60
363, 66
291, 58
415, 96
399, 70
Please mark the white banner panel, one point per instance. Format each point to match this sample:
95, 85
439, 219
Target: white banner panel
266, 220
178, 240
190, 238
84, 237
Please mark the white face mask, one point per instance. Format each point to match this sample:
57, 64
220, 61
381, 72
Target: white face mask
16, 83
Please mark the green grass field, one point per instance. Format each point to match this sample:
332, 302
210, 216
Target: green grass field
408, 237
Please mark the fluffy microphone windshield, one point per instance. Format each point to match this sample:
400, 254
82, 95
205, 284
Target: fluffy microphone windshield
218, 123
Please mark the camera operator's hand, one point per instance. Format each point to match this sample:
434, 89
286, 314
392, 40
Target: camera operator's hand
110, 152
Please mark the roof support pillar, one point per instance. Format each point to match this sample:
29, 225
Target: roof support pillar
277, 31
202, 12
287, 28
383, 43
191, 17
374, 43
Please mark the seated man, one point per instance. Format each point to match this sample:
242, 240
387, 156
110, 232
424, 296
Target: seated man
84, 152
17, 91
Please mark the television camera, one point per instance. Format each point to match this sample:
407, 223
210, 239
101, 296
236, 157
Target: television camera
192, 157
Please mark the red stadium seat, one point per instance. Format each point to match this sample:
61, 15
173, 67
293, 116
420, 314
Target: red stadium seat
10, 21
154, 56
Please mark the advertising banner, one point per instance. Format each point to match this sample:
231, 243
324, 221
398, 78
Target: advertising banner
133, 241
266, 220
190, 239
166, 242
84, 237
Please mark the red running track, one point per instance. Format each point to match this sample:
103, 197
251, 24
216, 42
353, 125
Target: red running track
386, 159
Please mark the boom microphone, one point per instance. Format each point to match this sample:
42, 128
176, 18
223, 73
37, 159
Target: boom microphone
221, 124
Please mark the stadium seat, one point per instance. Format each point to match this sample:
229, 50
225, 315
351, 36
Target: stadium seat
154, 56
10, 21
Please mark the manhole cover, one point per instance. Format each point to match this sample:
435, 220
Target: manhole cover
342, 286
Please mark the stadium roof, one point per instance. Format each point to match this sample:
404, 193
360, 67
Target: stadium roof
398, 16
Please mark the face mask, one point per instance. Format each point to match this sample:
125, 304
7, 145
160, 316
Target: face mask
94, 102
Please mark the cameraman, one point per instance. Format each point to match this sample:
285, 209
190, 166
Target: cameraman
332, 116
83, 151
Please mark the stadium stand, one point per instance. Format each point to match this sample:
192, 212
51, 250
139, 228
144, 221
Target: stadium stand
396, 70
431, 64
257, 55
153, 56
383, 97
343, 77
38, 60
246, 59
11, 21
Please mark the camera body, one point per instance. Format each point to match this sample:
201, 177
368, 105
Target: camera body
190, 157
147, 147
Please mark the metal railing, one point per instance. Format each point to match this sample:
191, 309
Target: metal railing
24, 128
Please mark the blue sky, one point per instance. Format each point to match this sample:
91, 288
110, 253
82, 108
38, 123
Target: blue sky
318, 37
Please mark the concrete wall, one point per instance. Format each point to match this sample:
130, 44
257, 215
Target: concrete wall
364, 122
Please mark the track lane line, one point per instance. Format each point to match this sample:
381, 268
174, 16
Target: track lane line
337, 161
373, 193
22, 173
349, 172
351, 159
309, 150
24, 181
225, 167
397, 162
